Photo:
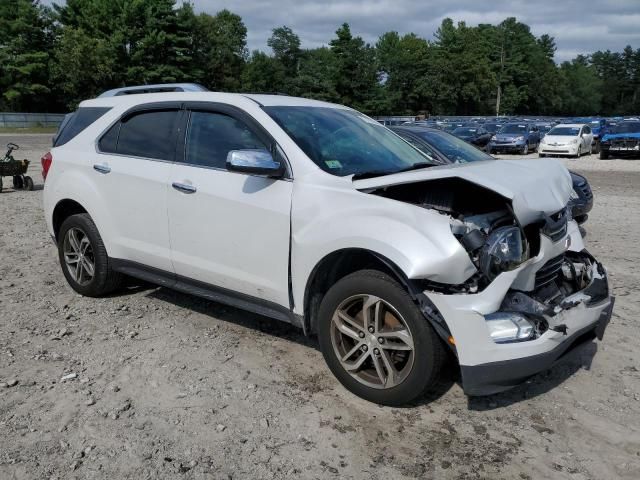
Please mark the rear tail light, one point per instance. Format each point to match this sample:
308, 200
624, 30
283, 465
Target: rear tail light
46, 161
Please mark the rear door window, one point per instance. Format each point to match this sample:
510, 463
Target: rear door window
81, 119
147, 134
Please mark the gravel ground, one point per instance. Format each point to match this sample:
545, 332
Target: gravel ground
150, 383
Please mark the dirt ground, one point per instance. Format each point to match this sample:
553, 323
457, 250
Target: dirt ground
150, 383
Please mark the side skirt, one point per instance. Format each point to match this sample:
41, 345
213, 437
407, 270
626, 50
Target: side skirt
205, 290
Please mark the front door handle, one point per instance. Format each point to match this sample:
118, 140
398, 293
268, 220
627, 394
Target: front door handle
102, 168
183, 187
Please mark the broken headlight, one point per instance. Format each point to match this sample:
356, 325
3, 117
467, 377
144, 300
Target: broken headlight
504, 250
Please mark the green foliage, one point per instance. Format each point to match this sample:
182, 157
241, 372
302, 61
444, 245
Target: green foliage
52, 58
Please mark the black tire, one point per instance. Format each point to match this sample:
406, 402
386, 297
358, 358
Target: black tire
542, 155
525, 149
604, 154
17, 182
595, 147
104, 280
428, 351
579, 152
28, 183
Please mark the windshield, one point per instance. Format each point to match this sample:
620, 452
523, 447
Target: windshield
627, 127
566, 131
465, 131
456, 150
513, 128
492, 127
345, 142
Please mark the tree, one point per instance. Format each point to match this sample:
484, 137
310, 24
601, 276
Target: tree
25, 43
582, 87
286, 48
220, 50
354, 76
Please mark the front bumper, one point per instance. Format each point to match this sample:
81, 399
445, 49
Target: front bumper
506, 147
488, 367
569, 149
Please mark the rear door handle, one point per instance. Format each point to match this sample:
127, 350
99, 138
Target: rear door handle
183, 187
101, 168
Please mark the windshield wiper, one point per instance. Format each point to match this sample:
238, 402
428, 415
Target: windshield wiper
380, 173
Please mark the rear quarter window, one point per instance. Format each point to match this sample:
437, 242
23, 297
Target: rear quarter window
81, 119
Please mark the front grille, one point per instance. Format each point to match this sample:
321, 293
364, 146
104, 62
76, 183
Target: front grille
626, 143
549, 272
555, 226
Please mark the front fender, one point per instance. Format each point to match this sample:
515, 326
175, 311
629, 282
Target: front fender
417, 240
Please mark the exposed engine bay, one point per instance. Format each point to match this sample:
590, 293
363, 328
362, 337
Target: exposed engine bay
486, 226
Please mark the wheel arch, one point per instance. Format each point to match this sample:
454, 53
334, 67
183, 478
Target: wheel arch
63, 210
338, 264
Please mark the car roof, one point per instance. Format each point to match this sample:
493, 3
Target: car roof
572, 125
205, 96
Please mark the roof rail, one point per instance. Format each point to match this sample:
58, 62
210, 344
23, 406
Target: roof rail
157, 88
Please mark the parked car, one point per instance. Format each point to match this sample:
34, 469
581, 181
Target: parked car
314, 214
492, 127
567, 139
621, 140
598, 126
515, 137
543, 128
476, 135
444, 148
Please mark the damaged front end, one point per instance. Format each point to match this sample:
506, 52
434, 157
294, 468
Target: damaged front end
536, 289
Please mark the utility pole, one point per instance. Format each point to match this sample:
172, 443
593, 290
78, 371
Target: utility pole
500, 78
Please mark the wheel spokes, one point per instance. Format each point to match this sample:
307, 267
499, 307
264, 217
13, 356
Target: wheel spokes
372, 341
396, 340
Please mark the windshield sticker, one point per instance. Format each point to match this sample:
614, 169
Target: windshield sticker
333, 163
522, 126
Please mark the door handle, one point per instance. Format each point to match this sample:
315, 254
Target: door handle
101, 168
183, 187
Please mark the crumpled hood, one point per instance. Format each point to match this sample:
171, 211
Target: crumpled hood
612, 136
533, 186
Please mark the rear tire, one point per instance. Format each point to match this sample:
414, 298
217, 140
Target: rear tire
83, 258
414, 368
28, 183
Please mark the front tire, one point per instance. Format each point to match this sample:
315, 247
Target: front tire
83, 257
525, 149
376, 341
604, 155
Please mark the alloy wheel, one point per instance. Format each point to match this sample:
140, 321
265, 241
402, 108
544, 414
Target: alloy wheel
78, 256
372, 341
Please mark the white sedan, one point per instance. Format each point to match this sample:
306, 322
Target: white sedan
567, 139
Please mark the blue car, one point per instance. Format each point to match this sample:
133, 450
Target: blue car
622, 140
515, 137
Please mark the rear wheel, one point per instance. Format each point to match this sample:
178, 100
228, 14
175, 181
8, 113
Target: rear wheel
84, 259
376, 341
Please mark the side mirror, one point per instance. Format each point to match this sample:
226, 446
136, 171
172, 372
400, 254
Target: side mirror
254, 162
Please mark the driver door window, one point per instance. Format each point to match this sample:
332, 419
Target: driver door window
211, 136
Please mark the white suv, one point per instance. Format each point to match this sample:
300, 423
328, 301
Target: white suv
315, 214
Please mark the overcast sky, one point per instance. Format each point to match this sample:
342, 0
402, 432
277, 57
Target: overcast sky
579, 26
